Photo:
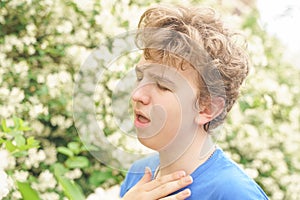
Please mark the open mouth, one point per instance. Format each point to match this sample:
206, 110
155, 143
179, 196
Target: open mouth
141, 120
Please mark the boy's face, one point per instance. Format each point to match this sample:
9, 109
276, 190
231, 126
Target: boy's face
164, 105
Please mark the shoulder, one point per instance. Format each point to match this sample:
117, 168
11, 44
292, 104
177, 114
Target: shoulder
220, 178
136, 172
234, 183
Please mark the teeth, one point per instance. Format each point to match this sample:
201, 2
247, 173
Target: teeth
143, 119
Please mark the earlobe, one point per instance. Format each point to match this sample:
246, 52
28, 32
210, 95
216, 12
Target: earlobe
207, 114
198, 120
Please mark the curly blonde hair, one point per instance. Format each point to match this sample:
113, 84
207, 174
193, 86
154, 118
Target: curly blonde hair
202, 26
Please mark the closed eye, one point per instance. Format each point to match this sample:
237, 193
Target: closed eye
139, 76
162, 87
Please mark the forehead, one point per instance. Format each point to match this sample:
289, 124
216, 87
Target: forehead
188, 73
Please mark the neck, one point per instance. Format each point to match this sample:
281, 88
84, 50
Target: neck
200, 149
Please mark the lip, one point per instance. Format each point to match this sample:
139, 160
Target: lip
137, 122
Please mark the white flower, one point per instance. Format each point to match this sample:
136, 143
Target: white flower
27, 40
66, 27
35, 157
36, 110
16, 95
7, 161
37, 126
31, 50
40, 78
103, 54
16, 195
49, 196
284, 96
108, 23
80, 35
256, 48
51, 153
85, 5
44, 45
54, 92
28, 2
107, 5
52, 80
74, 174
4, 92
61, 121
64, 77
2, 20
100, 193
4, 186
21, 175
21, 67
78, 54
31, 28
253, 173
5, 112
46, 181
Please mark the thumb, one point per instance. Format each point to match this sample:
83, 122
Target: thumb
147, 176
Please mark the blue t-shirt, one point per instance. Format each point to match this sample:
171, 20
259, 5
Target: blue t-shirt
218, 178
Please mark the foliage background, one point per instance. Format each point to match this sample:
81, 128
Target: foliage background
42, 45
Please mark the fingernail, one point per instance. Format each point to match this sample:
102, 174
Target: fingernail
181, 174
188, 179
186, 192
147, 170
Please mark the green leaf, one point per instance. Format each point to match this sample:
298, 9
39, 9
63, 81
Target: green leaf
10, 146
19, 154
20, 140
25, 128
98, 177
17, 123
32, 143
70, 188
77, 162
74, 147
89, 147
59, 169
4, 126
27, 192
65, 151
16, 133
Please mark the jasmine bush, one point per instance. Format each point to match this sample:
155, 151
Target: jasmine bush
42, 46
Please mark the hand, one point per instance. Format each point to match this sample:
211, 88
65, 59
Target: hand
148, 189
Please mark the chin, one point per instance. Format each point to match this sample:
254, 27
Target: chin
149, 143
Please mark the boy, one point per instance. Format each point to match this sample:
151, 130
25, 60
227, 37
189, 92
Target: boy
188, 79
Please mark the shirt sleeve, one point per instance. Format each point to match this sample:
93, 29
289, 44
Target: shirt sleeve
241, 188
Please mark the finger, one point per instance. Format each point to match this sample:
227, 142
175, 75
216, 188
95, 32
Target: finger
179, 196
164, 179
146, 178
171, 187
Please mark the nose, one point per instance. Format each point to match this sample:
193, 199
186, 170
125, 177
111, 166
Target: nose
141, 94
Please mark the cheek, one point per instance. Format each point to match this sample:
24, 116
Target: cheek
173, 121
168, 130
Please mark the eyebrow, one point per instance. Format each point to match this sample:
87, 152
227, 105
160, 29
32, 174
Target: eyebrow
141, 68
164, 79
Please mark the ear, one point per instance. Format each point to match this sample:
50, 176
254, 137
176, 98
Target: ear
210, 112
